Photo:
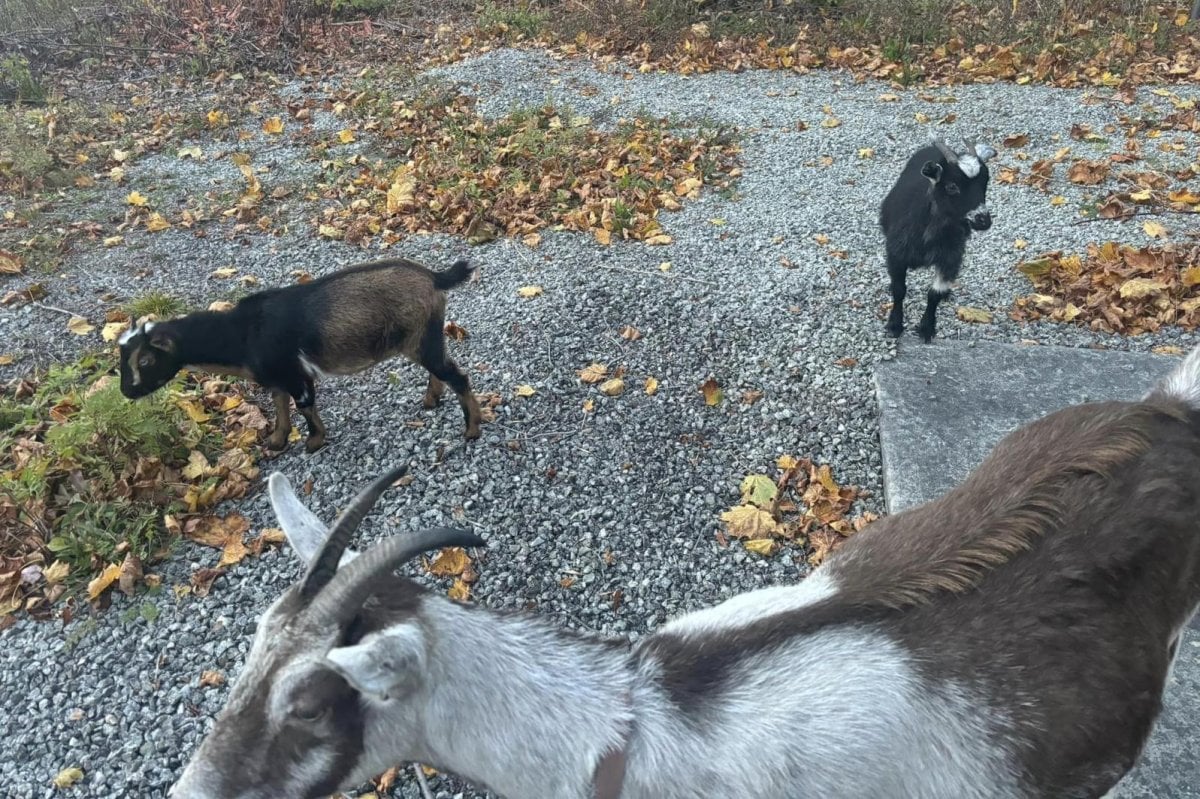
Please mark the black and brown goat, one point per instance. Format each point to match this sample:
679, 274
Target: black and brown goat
285, 338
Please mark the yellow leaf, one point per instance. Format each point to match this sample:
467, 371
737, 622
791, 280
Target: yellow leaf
68, 777
524, 390
1191, 276
112, 331
588, 406
612, 388
220, 305
758, 489
217, 118
528, 292
156, 223
116, 174
460, 591
830, 122
190, 152
786, 462
233, 551
687, 186
56, 572
10, 263
136, 198
194, 410
79, 326
1181, 19
1154, 229
712, 392
651, 386
113, 241
977, 315
273, 126
593, 373
659, 240
888, 98
866, 152
921, 117
1163, 349
1058, 199
1141, 196
602, 236
119, 155
747, 521
197, 466
7, 359
1184, 197
1020, 244
329, 232
825, 478
224, 272
762, 546
400, 195
531, 240
99, 584
1139, 287
821, 238
665, 266
345, 135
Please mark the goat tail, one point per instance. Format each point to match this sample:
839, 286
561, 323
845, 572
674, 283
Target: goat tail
1183, 383
460, 272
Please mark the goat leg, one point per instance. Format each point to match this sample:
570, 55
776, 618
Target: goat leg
283, 421
433, 392
939, 291
316, 429
895, 322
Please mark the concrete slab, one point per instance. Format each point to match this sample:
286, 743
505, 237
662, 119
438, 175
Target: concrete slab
943, 407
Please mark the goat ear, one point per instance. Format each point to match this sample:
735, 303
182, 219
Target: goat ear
385, 664
932, 170
160, 339
305, 532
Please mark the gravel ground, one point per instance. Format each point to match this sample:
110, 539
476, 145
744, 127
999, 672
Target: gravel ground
552, 488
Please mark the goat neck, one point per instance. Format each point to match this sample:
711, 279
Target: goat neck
505, 689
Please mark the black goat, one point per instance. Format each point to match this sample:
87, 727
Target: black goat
927, 217
285, 338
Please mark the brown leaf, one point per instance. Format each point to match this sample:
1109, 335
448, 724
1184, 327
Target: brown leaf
456, 331
449, 562
131, 572
593, 373
749, 522
212, 679
203, 579
713, 395
1016, 140
10, 263
100, 583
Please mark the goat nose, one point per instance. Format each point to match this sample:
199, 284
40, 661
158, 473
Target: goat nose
981, 220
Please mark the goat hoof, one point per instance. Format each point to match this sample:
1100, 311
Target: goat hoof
276, 441
314, 443
926, 335
471, 434
431, 402
894, 331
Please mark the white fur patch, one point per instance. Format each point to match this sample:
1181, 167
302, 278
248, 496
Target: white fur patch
1184, 381
747, 608
970, 165
313, 371
985, 152
127, 336
940, 284
146, 328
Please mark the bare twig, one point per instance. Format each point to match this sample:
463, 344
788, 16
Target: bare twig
425, 792
53, 308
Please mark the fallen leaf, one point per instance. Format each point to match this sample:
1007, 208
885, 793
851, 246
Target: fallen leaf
345, 135
113, 241
976, 315
449, 562
273, 126
190, 152
100, 583
712, 392
749, 522
786, 462
136, 198
1154, 229
131, 572
525, 390
113, 330
459, 591
528, 292
1016, 140
224, 273
612, 388
194, 410
10, 264
212, 678
79, 326
1138, 287
758, 489
157, 223
68, 777
630, 333
220, 305
762, 546
456, 331
602, 235
593, 373
651, 386
659, 240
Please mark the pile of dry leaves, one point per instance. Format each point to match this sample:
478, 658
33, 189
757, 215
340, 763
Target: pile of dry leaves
804, 506
1116, 288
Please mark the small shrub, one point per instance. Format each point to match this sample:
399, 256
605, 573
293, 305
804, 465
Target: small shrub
520, 20
17, 81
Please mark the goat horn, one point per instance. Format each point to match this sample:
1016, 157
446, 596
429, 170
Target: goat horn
352, 586
946, 150
970, 142
325, 565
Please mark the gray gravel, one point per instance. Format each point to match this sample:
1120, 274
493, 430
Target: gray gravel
641, 477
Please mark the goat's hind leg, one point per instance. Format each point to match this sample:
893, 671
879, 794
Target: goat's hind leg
898, 273
443, 370
283, 422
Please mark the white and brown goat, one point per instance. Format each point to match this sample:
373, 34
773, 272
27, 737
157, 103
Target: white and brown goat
1011, 639
286, 338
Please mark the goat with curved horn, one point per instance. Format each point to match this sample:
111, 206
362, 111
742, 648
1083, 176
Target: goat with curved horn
946, 150
325, 565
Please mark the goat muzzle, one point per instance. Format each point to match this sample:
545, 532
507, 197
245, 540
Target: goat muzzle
980, 220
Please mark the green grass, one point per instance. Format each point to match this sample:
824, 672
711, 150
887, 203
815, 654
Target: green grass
517, 20
83, 466
157, 304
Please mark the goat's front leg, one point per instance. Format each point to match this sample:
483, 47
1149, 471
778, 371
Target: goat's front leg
938, 291
898, 274
306, 403
283, 421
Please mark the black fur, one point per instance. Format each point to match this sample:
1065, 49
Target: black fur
925, 221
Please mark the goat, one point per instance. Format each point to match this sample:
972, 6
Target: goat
1010, 639
927, 217
286, 338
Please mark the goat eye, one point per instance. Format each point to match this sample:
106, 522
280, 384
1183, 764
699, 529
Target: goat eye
310, 713
952, 189
145, 360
